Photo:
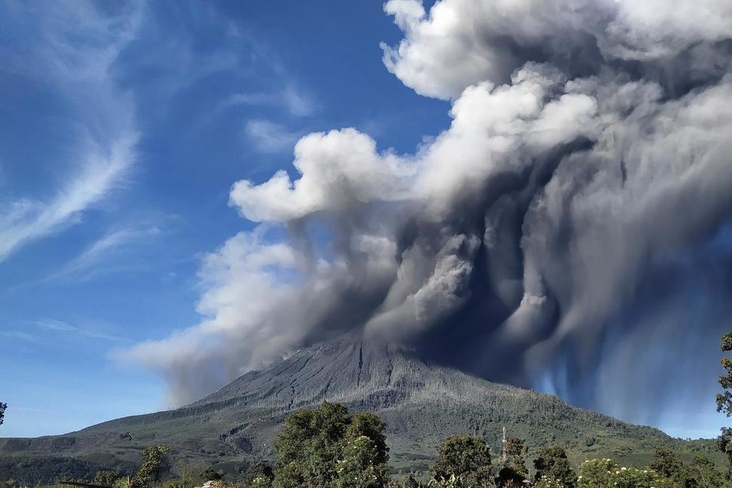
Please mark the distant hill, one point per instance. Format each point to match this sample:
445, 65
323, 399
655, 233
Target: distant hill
422, 404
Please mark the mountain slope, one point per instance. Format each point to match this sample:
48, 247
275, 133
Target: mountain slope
422, 404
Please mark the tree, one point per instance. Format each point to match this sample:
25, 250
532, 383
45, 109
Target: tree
151, 467
359, 466
466, 457
3, 406
552, 463
105, 477
703, 473
724, 401
595, 473
371, 426
513, 472
667, 464
328, 447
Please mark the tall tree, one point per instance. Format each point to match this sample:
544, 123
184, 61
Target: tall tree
514, 472
152, 467
724, 399
552, 462
668, 464
466, 457
3, 406
703, 473
724, 402
328, 447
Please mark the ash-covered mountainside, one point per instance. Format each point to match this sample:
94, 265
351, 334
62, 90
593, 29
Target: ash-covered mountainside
422, 404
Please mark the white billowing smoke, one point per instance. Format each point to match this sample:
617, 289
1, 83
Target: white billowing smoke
588, 154
464, 42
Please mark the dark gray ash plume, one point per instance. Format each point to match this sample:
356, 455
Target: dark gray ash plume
569, 231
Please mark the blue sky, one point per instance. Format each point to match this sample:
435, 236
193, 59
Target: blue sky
97, 254
123, 127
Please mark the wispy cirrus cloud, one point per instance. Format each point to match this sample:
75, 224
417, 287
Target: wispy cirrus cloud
270, 137
73, 52
25, 221
294, 101
17, 334
64, 327
100, 257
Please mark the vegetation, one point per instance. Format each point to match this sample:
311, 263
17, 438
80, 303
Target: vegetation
328, 447
466, 458
514, 471
106, 477
429, 403
3, 406
724, 402
152, 467
551, 463
601, 473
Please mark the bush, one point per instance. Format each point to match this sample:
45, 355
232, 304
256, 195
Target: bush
549, 482
605, 473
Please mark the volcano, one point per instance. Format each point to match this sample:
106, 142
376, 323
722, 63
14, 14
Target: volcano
421, 402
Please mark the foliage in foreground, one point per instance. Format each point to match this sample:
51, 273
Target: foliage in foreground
724, 401
328, 447
465, 458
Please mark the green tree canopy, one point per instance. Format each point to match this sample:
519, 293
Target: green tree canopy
514, 471
703, 473
552, 463
152, 466
466, 457
724, 401
106, 477
3, 406
668, 464
328, 447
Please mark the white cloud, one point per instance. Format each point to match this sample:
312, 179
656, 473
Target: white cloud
337, 168
245, 287
64, 327
290, 99
462, 42
28, 221
270, 137
298, 103
342, 170
97, 257
74, 49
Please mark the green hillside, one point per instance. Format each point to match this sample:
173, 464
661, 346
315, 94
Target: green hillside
421, 403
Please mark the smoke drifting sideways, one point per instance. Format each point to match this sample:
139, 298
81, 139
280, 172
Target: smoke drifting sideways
567, 232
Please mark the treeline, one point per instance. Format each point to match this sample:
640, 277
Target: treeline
328, 447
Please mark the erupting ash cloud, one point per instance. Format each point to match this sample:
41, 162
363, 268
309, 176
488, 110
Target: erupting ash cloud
566, 232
